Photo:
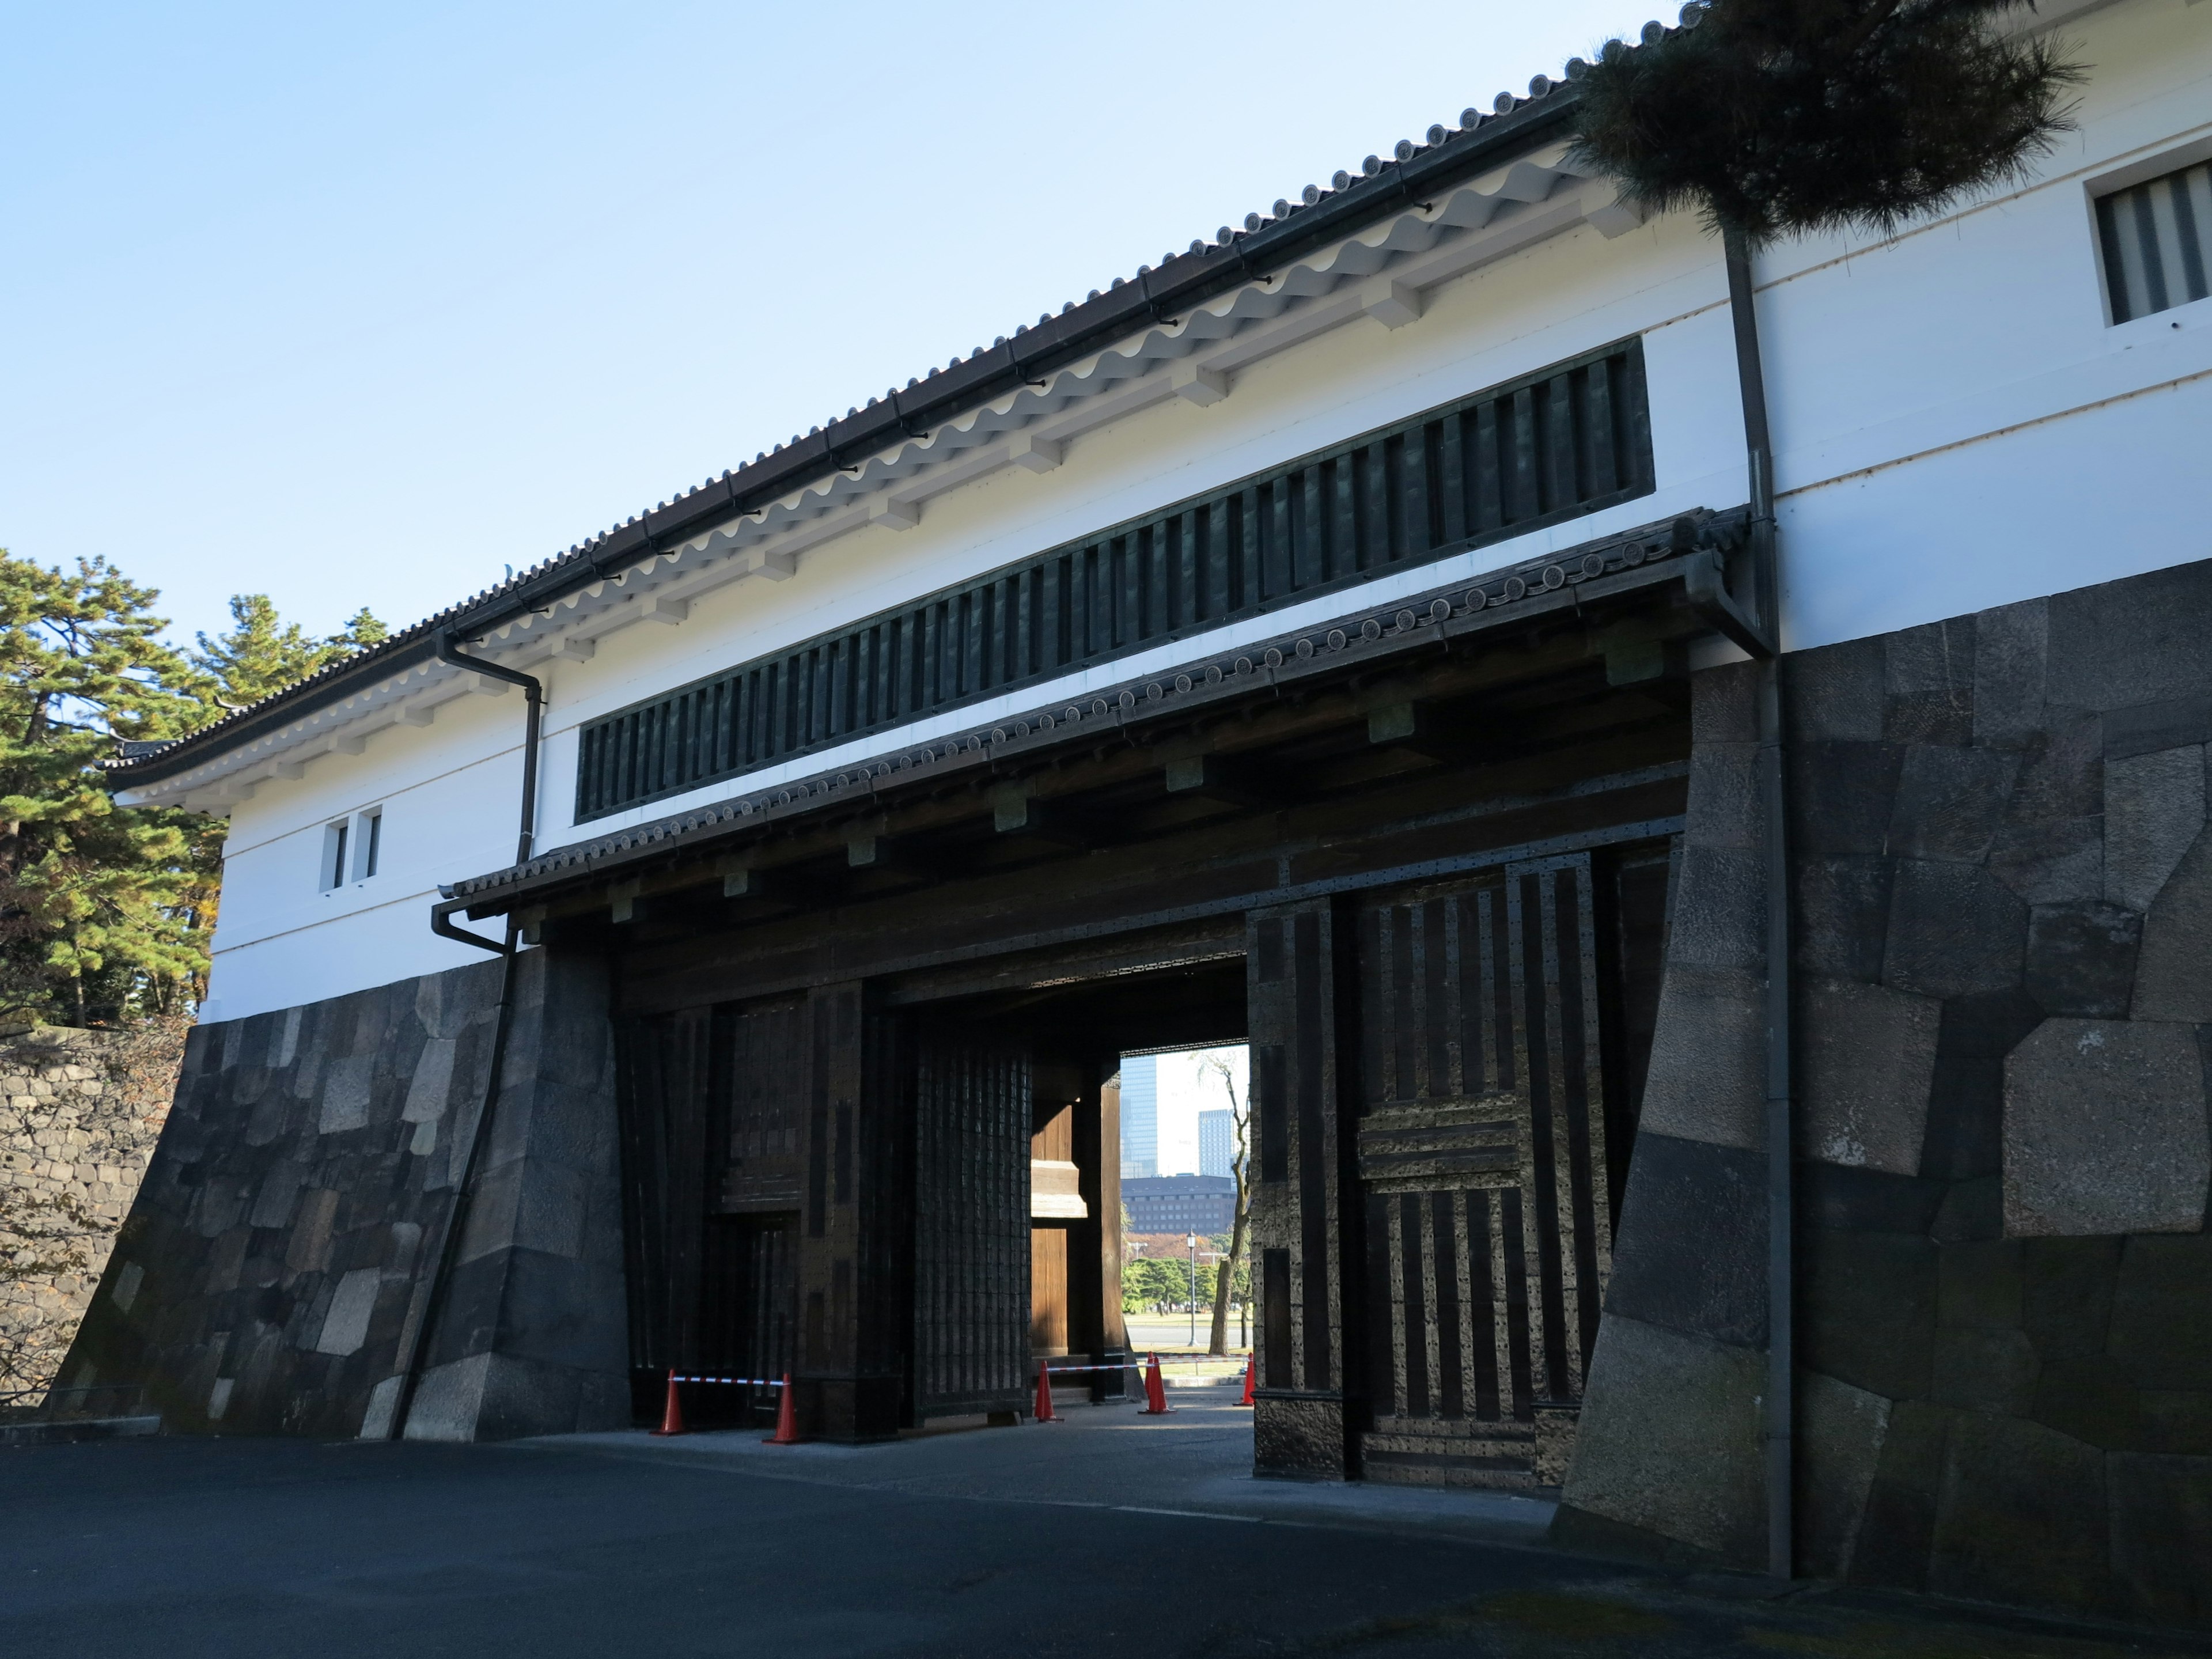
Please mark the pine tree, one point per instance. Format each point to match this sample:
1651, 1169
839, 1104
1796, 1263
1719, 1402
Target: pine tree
261, 654
1774, 116
105, 910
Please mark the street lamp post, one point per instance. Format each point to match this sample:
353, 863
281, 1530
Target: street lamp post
1191, 1239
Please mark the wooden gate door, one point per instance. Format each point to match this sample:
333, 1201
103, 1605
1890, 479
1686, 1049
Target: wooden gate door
1481, 1162
713, 1146
971, 1257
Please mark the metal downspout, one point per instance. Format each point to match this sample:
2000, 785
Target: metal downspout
417, 1340
1780, 1416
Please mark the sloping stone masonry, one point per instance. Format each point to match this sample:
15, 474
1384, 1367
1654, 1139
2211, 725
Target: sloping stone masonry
282, 1241
80, 1112
2002, 912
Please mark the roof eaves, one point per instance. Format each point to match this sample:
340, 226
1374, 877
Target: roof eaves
1154, 295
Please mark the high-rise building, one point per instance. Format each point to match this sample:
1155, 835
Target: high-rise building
1217, 1142
1141, 1116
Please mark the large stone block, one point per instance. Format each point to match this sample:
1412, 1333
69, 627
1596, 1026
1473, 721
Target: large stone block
2173, 970
1899, 1529
2051, 861
2093, 1399
1867, 1310
1669, 1440
1724, 704
1298, 1436
345, 1323
1948, 801
1981, 1286
431, 1082
1707, 1079
2082, 957
1983, 1370
2175, 1420
1953, 931
2161, 1537
2105, 1130
1929, 682
1720, 911
1725, 808
2067, 1286
1840, 799
2162, 1326
2137, 641
2148, 726
2011, 643
2153, 810
1845, 1198
1973, 1210
1840, 1432
1868, 1058
2020, 1517
1690, 1254
1842, 915
1837, 693
1965, 1106
2061, 772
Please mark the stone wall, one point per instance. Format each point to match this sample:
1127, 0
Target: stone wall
80, 1112
281, 1245
2002, 912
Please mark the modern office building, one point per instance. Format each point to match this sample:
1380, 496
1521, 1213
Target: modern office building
1217, 1142
1205, 1205
1140, 1115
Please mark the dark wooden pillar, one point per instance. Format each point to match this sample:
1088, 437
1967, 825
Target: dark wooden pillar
854, 1221
1299, 1007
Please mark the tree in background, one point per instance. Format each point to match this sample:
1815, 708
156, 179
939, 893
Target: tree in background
1240, 1161
1777, 117
262, 654
105, 910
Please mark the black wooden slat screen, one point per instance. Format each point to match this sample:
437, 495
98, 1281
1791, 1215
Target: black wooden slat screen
1569, 441
971, 1250
1482, 1153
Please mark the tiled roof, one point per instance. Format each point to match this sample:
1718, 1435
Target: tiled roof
1232, 257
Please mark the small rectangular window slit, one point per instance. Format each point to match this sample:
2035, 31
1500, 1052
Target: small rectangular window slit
2156, 239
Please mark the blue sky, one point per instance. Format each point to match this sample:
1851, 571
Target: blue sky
358, 305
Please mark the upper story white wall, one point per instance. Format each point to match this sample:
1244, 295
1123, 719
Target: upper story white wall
1956, 424
1956, 427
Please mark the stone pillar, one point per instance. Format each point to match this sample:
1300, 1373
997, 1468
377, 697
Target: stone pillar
2001, 873
1667, 1458
533, 1337
1295, 984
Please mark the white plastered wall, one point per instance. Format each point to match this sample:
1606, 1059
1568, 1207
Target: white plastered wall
1931, 457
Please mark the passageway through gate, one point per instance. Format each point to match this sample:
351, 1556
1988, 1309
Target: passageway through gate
864, 1061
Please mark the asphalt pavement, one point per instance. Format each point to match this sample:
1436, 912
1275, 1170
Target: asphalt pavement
1110, 1533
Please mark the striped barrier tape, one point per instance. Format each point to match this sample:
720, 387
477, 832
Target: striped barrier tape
751, 1382
1130, 1365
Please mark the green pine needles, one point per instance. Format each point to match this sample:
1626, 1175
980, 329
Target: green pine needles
106, 911
1777, 117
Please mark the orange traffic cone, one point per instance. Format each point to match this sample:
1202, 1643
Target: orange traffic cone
1247, 1399
1155, 1392
1045, 1411
786, 1418
672, 1414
